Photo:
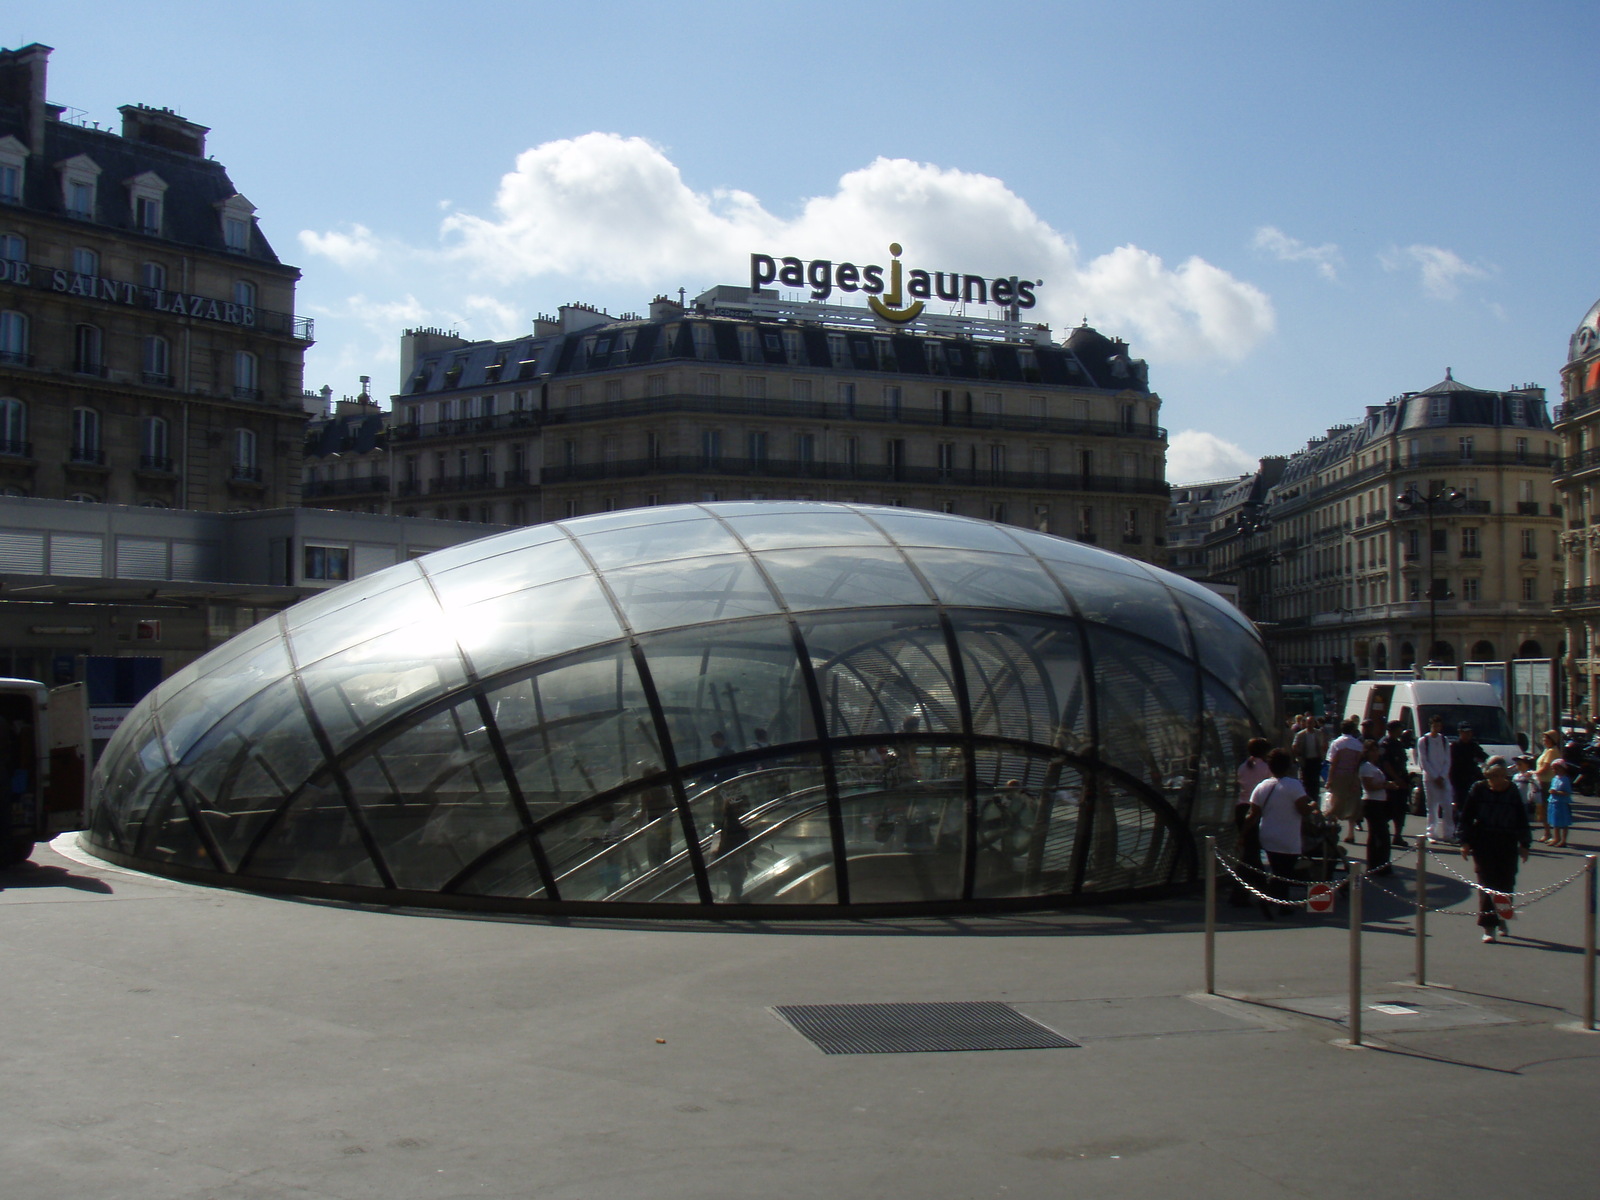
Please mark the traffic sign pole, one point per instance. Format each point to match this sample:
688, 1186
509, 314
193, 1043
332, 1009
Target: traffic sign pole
1355, 953
1422, 910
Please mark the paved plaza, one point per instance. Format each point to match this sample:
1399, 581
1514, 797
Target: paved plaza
175, 1042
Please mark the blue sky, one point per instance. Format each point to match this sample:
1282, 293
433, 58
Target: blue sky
1292, 211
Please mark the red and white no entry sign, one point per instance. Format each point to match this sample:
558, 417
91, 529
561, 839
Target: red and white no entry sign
1503, 906
1320, 898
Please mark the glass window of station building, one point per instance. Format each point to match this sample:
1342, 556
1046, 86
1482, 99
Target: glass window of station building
762, 707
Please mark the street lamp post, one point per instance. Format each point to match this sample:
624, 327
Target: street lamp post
1411, 500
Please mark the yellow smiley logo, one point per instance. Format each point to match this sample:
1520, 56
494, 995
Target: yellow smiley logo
889, 307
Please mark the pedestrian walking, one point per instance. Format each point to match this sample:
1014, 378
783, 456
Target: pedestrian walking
1466, 763
1251, 773
1545, 770
1392, 754
1558, 808
1278, 807
1376, 787
1343, 801
1309, 747
1433, 756
1495, 835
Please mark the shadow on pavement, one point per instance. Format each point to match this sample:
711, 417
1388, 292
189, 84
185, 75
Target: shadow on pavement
41, 875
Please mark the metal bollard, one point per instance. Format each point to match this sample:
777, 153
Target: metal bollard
1355, 953
1211, 915
1588, 942
1421, 931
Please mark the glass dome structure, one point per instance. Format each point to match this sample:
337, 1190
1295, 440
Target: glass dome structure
759, 707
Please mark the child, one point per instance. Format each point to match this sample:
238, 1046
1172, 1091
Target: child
1558, 807
1527, 782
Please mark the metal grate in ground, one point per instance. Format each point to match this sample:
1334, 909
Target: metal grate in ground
919, 1027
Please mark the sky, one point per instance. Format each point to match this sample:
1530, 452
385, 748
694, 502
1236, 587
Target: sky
1291, 211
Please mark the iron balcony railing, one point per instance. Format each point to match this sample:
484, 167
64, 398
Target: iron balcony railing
159, 463
345, 487
241, 474
1587, 594
791, 469
11, 448
86, 456
758, 407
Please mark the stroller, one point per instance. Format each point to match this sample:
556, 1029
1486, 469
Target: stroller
1320, 847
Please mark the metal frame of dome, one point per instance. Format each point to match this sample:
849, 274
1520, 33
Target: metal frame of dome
926, 713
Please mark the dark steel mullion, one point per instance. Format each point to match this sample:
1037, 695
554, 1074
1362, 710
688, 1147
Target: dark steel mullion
669, 763
1092, 766
518, 801
336, 771
658, 719
187, 799
819, 722
1192, 784
497, 747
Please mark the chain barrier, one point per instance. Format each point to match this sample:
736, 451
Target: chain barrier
1519, 899
1228, 865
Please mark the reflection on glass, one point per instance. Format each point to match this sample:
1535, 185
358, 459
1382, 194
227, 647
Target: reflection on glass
802, 737
717, 588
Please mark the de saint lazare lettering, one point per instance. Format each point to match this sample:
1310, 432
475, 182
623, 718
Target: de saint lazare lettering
823, 276
114, 291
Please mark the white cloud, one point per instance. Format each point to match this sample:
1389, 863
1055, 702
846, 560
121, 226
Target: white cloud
1194, 456
1441, 270
357, 248
602, 208
1274, 241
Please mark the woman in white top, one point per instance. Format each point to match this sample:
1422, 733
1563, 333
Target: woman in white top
1278, 806
1251, 772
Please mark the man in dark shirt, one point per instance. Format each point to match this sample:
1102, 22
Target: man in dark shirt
1392, 753
1466, 764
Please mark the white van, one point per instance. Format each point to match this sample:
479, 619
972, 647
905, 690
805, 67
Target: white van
1415, 702
44, 764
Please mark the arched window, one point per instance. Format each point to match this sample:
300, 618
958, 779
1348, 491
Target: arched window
13, 426
1530, 649
246, 383
84, 498
153, 276
86, 436
153, 445
85, 261
1483, 652
14, 338
1380, 656
13, 247
1444, 654
157, 361
244, 293
86, 358
1408, 656
13, 490
244, 455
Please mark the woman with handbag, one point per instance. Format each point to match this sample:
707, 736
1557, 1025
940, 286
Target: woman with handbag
1278, 809
1495, 833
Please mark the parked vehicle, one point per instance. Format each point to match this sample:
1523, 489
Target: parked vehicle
1305, 698
44, 764
1414, 703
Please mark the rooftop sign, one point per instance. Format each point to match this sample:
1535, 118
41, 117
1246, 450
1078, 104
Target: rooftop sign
906, 293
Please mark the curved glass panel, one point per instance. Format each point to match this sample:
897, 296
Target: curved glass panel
773, 721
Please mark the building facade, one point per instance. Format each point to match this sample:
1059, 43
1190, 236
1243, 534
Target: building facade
1427, 532
347, 454
149, 351
1578, 480
107, 579
736, 398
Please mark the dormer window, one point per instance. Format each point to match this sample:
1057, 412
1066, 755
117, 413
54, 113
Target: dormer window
238, 214
146, 193
13, 168
80, 177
